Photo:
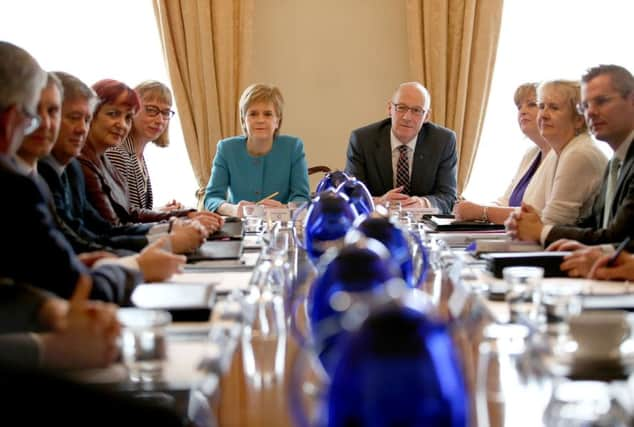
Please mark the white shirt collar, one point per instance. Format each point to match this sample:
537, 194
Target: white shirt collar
23, 167
621, 152
395, 143
52, 161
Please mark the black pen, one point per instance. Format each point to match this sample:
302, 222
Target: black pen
618, 251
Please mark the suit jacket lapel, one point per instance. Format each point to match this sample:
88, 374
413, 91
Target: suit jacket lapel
626, 171
417, 163
383, 157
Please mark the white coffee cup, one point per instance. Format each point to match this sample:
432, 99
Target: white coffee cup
599, 334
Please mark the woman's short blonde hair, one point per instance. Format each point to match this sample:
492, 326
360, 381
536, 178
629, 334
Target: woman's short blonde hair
523, 91
259, 92
152, 90
571, 90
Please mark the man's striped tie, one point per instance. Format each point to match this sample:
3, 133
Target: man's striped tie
402, 169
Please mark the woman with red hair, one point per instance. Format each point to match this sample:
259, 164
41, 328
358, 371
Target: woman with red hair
106, 187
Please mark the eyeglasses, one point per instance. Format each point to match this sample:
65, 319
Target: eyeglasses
154, 111
403, 108
32, 121
596, 102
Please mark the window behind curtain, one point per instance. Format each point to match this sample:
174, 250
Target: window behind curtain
95, 40
543, 40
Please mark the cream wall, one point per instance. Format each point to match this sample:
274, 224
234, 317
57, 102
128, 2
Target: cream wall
337, 63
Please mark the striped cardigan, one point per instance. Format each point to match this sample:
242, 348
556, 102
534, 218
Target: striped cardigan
123, 158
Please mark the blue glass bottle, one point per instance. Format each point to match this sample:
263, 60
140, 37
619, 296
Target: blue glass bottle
327, 221
331, 181
399, 369
396, 241
358, 194
353, 270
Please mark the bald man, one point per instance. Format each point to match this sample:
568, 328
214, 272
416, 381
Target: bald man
406, 157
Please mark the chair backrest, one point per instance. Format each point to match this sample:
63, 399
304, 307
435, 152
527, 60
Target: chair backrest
315, 169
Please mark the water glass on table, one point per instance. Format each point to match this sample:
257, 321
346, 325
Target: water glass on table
252, 218
143, 342
264, 339
393, 209
523, 292
511, 387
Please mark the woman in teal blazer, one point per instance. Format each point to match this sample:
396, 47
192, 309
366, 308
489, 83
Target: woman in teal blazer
248, 168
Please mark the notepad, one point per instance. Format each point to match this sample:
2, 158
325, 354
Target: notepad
185, 302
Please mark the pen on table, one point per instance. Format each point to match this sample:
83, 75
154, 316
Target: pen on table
270, 196
618, 251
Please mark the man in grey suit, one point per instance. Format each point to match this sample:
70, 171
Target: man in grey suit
607, 101
428, 154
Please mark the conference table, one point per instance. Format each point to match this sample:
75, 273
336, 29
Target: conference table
211, 364
245, 401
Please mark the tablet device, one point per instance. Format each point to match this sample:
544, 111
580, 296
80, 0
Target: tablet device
217, 250
229, 231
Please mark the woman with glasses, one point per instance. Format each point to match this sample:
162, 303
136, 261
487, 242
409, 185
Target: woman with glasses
262, 165
150, 124
106, 186
525, 99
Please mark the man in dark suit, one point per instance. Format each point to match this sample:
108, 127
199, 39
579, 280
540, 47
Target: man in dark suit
32, 249
607, 101
76, 333
406, 157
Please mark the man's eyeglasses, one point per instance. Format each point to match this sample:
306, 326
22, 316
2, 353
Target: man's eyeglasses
403, 108
153, 111
32, 121
596, 102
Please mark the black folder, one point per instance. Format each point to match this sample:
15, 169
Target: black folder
550, 261
448, 223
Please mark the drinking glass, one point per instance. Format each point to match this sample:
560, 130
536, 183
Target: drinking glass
252, 218
560, 302
393, 209
264, 336
511, 388
524, 292
264, 339
143, 342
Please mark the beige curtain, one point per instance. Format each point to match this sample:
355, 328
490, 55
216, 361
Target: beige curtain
452, 46
207, 45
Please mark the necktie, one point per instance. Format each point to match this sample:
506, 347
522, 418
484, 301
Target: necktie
610, 192
402, 169
66, 190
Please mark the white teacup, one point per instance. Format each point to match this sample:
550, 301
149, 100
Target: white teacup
600, 333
